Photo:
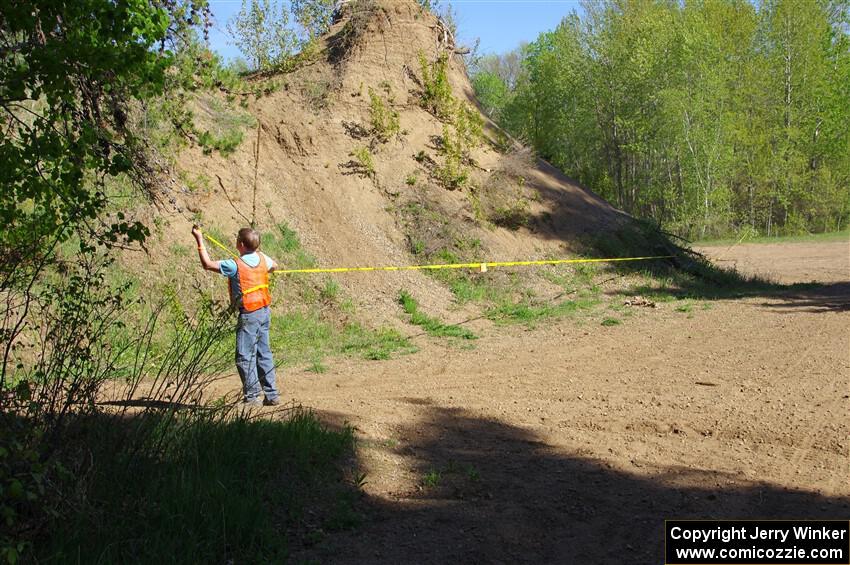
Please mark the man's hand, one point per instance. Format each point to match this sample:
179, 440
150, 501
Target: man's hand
207, 263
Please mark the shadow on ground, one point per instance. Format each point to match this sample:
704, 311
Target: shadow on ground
493, 493
800, 297
834, 297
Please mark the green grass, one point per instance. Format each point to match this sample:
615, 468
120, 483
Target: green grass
226, 488
180, 250
330, 290
693, 278
228, 241
503, 295
373, 344
196, 183
526, 312
432, 478
611, 322
432, 326
571, 278
469, 286
804, 238
307, 335
282, 244
304, 337
157, 301
658, 290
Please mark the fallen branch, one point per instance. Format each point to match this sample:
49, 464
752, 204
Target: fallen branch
221, 184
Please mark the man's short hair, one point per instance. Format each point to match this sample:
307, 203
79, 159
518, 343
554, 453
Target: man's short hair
249, 238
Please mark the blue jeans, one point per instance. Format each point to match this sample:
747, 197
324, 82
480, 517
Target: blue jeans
254, 356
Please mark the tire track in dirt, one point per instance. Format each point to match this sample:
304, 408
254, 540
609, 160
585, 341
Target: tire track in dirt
827, 262
828, 411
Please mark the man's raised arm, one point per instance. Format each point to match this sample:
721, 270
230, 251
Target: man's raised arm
207, 263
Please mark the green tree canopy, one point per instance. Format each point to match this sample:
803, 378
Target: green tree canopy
261, 31
706, 117
68, 74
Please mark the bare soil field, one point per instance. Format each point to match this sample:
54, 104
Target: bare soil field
572, 442
823, 262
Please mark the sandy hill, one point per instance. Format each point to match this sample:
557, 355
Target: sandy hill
314, 130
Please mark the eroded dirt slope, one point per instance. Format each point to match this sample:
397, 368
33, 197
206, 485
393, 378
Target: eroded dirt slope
309, 176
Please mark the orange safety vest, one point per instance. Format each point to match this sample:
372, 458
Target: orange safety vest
254, 283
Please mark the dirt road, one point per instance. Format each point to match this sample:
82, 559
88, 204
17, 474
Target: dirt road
571, 443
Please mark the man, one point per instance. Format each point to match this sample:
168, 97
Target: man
248, 282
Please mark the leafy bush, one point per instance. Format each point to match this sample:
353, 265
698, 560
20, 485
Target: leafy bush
452, 174
225, 144
492, 92
314, 16
469, 126
463, 127
91, 349
103, 429
384, 120
512, 216
436, 91
365, 161
464, 134
23, 477
261, 31
218, 124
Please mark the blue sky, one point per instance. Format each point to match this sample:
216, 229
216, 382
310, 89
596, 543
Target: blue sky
501, 24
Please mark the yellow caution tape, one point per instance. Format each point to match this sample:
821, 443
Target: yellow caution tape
482, 266
218, 243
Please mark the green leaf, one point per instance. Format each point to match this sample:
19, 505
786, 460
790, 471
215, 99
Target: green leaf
16, 489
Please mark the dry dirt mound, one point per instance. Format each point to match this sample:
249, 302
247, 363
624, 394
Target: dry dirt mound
308, 173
